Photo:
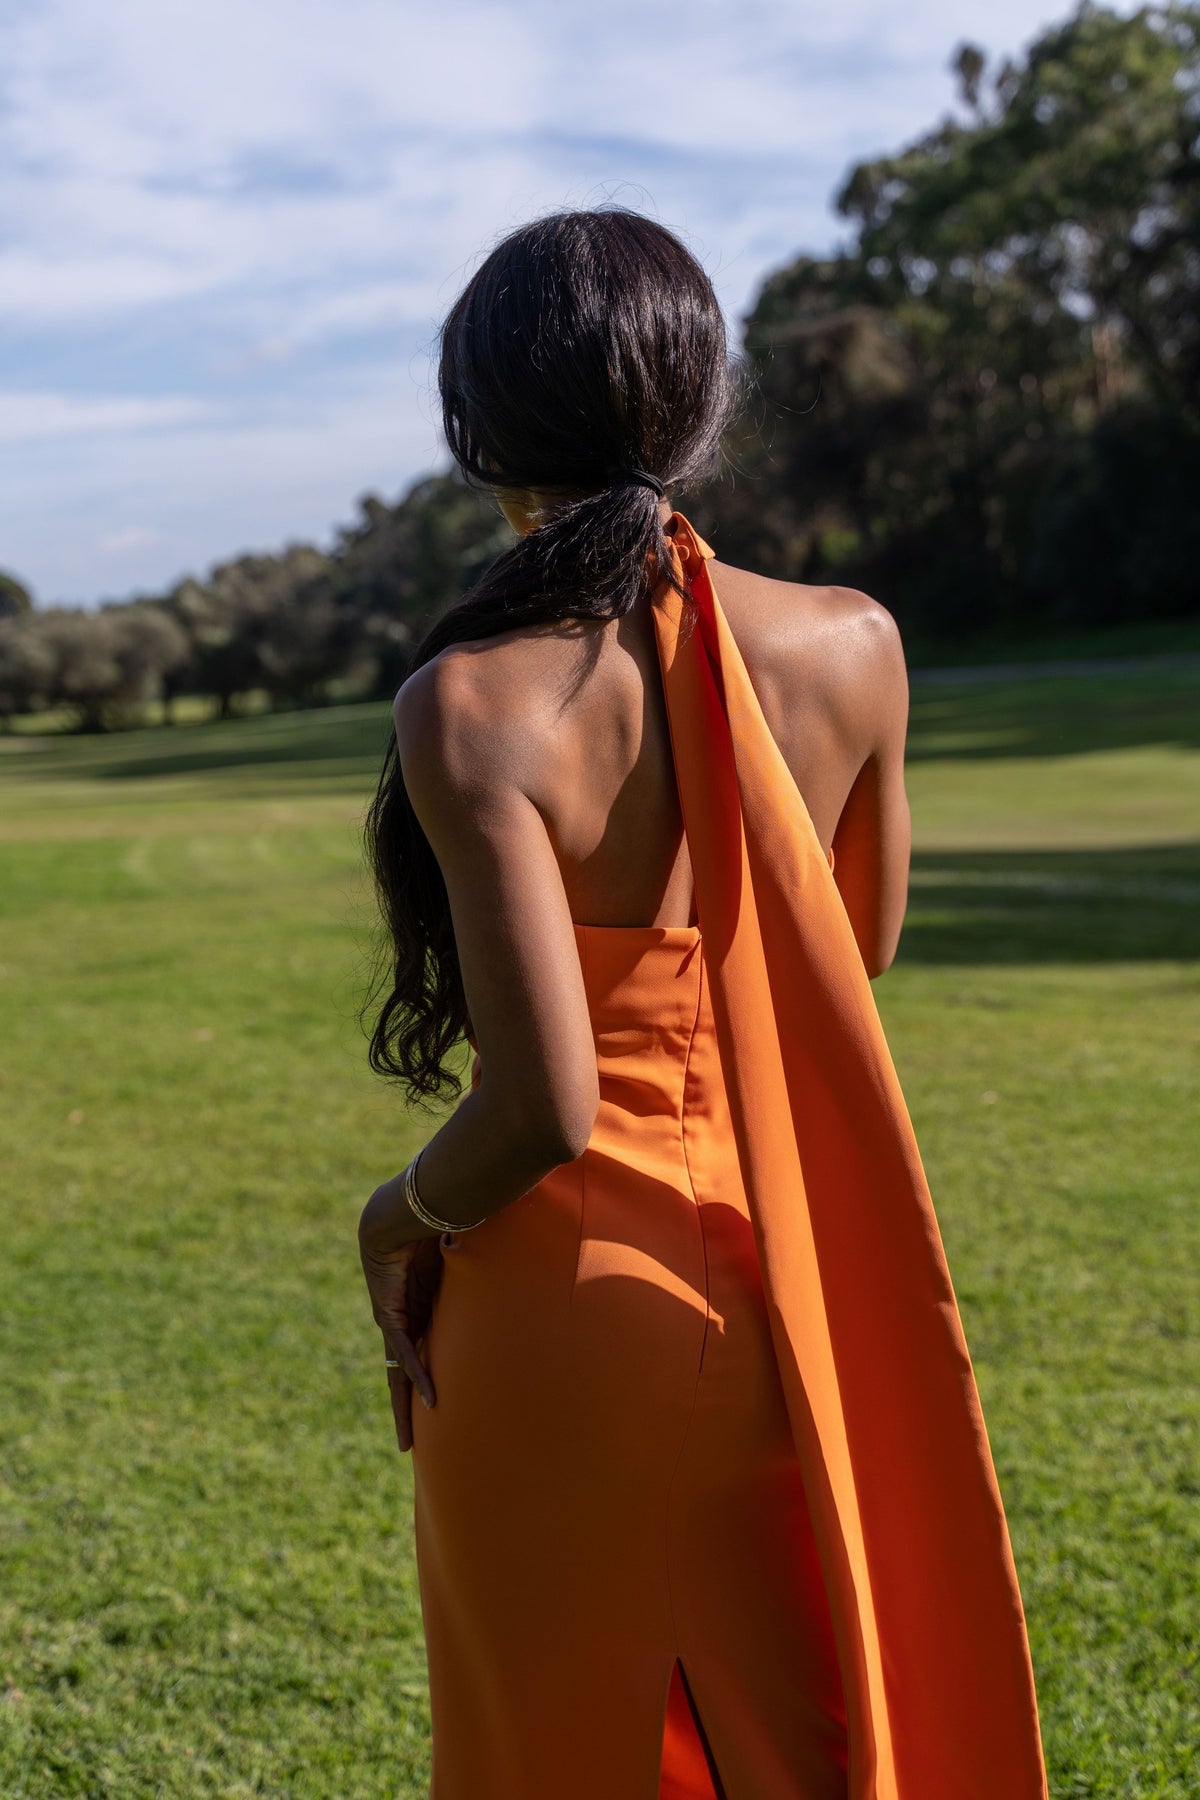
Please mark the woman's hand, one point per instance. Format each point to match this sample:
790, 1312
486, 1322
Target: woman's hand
403, 1286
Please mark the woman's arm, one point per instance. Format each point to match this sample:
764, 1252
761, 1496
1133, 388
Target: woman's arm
873, 840
538, 1093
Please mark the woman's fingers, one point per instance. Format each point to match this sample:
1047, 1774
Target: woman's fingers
400, 1388
401, 1347
403, 1286
401, 1381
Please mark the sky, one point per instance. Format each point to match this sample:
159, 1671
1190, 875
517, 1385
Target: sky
229, 228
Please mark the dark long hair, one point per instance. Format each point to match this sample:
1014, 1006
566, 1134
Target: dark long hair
588, 345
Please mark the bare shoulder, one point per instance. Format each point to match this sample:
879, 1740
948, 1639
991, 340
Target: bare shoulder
462, 720
803, 644
445, 727
841, 623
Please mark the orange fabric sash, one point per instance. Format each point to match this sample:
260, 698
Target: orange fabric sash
878, 1382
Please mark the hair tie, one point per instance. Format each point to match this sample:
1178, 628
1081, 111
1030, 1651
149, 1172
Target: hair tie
644, 480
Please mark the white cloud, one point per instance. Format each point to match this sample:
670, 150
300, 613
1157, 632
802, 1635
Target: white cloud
25, 416
214, 200
267, 481
130, 537
162, 150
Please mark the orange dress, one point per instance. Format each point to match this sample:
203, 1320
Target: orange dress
734, 1532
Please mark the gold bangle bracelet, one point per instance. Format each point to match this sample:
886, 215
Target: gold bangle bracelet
422, 1212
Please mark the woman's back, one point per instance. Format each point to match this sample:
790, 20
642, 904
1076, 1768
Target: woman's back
587, 741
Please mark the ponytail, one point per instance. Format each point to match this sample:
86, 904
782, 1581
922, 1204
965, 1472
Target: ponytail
585, 363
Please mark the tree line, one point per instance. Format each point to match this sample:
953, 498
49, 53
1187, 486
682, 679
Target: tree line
300, 627
985, 411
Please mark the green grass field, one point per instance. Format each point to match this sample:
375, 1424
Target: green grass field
206, 1584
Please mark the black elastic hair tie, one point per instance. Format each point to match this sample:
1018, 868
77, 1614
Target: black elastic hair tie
644, 480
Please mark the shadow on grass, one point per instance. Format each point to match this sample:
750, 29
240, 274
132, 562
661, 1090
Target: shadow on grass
1074, 906
348, 740
1061, 715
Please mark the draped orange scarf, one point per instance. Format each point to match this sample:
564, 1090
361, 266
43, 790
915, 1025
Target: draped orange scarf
879, 1387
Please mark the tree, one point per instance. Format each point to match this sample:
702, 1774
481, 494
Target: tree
149, 646
105, 665
26, 666
1073, 190
15, 598
399, 567
85, 673
1012, 333
238, 622
306, 637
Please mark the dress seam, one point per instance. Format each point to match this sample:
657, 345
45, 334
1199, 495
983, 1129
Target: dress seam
683, 1436
583, 1160
687, 1163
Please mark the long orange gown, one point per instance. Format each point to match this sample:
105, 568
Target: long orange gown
733, 1532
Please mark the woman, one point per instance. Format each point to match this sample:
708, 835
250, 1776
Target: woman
704, 1502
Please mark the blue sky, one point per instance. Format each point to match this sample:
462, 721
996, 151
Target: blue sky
228, 228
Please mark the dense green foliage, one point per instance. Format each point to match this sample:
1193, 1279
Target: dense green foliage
986, 411
206, 1574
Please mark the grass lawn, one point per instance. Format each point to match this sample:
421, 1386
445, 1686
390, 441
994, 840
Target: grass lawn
206, 1578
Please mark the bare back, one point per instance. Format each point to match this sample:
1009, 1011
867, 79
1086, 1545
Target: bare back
591, 747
